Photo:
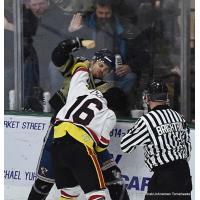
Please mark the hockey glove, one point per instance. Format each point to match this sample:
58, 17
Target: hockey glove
71, 45
61, 54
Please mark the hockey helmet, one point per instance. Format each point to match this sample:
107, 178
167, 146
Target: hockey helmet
157, 91
105, 56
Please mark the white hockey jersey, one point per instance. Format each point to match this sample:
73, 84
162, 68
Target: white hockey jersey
88, 109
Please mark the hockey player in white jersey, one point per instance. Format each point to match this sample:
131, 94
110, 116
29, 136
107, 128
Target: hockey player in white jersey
82, 127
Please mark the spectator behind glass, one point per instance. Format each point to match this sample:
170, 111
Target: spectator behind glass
38, 7
32, 90
52, 26
144, 37
106, 29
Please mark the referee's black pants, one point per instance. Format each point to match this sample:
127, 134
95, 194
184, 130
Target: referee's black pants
170, 182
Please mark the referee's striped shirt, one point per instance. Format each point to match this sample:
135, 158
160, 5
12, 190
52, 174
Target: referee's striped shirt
164, 135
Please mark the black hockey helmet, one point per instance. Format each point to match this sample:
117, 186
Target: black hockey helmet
157, 91
105, 56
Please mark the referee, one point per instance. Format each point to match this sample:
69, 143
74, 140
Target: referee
164, 135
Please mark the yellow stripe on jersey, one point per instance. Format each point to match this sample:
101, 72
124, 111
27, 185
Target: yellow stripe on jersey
100, 149
77, 65
97, 167
73, 130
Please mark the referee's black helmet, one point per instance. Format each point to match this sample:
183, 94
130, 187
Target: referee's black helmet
157, 91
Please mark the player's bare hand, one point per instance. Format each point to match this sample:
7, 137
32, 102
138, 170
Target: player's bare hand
122, 70
76, 23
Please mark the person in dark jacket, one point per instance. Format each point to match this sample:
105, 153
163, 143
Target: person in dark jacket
106, 29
